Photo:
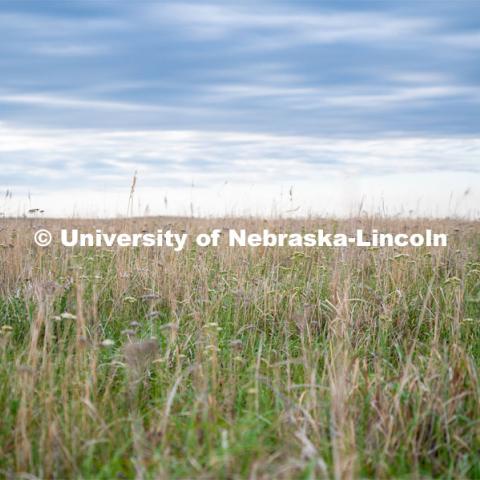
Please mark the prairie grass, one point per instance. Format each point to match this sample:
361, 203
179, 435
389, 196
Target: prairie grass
239, 362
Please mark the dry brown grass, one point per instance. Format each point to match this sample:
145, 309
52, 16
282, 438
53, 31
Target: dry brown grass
239, 362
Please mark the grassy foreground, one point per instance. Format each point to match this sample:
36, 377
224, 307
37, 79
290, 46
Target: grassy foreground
239, 362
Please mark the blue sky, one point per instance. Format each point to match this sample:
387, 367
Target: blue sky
233, 103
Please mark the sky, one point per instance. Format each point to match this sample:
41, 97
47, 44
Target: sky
231, 108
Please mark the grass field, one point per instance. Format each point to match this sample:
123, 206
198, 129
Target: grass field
239, 362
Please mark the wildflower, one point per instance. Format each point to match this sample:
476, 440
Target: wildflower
138, 355
128, 332
150, 296
211, 324
107, 343
168, 325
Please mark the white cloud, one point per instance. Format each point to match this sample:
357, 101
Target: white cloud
58, 101
465, 40
45, 26
70, 50
89, 171
213, 156
307, 98
392, 96
216, 21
